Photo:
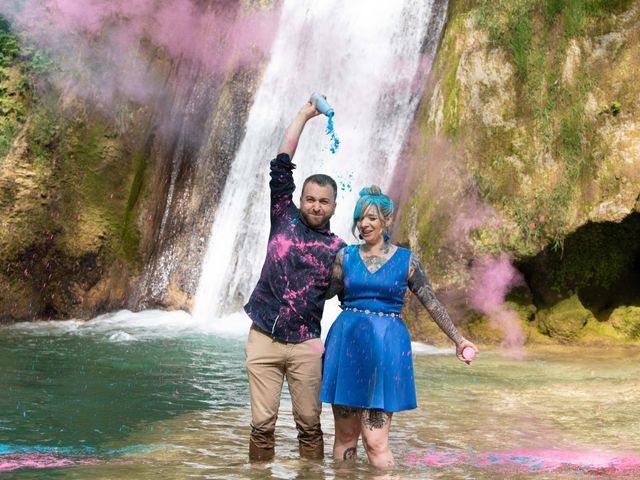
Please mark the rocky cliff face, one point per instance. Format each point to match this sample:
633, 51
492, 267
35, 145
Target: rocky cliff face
527, 142
105, 207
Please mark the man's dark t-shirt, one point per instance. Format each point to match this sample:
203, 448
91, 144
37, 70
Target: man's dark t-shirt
288, 300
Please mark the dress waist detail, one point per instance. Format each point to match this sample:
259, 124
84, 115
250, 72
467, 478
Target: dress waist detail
369, 312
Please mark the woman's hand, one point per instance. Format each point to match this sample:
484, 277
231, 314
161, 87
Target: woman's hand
461, 346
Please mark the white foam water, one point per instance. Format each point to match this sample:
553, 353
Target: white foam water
366, 59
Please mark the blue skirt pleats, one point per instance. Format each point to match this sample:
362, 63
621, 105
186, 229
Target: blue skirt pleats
368, 363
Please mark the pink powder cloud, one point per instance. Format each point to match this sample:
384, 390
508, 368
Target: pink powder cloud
455, 201
491, 279
106, 49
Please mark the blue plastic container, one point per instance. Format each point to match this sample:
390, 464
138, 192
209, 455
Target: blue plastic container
322, 106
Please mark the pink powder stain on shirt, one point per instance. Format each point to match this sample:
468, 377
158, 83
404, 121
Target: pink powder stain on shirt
280, 245
303, 331
296, 294
316, 263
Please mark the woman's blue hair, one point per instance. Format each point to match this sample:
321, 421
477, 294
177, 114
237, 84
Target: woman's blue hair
372, 196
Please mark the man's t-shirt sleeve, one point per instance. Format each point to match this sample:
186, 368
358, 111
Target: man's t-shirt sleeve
281, 184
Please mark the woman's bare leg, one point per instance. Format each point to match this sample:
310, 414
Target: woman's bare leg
375, 426
347, 421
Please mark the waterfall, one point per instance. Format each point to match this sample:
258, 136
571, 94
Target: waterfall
369, 59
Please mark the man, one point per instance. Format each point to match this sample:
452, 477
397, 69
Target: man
287, 303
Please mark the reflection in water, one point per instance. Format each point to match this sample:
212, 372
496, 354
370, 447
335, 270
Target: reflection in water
128, 397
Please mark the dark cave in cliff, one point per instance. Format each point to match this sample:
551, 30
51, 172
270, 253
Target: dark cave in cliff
599, 261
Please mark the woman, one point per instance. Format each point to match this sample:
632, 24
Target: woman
368, 369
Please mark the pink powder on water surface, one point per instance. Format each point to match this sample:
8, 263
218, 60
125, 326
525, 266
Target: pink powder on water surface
541, 460
14, 461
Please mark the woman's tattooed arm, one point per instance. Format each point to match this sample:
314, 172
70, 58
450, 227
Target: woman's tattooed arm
336, 284
421, 288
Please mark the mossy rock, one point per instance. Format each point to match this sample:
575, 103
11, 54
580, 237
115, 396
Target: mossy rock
480, 330
626, 321
564, 320
600, 333
525, 311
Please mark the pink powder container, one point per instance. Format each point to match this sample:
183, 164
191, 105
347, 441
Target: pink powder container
468, 353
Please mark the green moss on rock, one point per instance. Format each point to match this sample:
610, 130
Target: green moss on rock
564, 320
626, 321
480, 329
600, 333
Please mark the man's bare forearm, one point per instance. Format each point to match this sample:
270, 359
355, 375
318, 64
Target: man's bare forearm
292, 135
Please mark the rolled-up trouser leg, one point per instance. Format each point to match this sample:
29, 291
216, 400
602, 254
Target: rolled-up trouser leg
265, 368
304, 376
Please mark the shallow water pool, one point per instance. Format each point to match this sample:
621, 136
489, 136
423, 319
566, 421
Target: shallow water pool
153, 395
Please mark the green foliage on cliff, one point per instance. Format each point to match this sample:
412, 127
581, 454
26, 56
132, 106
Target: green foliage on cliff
9, 47
130, 235
13, 88
537, 35
599, 261
70, 185
523, 92
526, 142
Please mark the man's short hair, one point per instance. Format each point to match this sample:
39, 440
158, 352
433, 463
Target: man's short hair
322, 180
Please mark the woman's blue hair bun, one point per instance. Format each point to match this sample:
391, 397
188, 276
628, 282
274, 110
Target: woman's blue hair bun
373, 190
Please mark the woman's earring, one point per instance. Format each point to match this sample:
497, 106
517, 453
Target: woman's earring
360, 236
386, 236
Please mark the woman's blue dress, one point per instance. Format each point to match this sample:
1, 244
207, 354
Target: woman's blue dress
368, 361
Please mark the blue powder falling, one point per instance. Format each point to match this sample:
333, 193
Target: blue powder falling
345, 182
334, 140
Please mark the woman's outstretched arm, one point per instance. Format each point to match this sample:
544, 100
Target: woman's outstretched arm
336, 285
421, 288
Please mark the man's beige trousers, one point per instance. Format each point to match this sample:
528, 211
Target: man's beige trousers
268, 362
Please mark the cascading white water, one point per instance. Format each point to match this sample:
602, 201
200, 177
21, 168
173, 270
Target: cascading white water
365, 57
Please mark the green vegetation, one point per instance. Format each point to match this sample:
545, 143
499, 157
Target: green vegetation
89, 180
13, 89
526, 105
537, 36
20, 64
130, 235
598, 258
105, 183
9, 47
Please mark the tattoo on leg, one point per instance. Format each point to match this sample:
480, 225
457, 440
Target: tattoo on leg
374, 418
350, 453
345, 412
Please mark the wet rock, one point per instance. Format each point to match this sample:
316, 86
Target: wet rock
564, 320
600, 333
178, 299
626, 320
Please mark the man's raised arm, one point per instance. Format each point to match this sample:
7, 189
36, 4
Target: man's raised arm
281, 184
293, 132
